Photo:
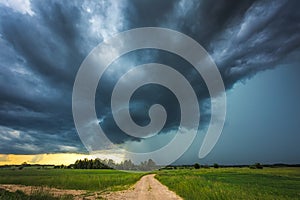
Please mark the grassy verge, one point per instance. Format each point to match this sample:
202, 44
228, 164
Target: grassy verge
93, 180
233, 183
39, 195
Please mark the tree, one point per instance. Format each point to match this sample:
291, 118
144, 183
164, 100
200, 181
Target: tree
216, 165
151, 164
197, 166
143, 166
128, 165
111, 163
258, 166
90, 164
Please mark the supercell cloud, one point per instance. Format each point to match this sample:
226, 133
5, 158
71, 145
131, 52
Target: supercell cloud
44, 43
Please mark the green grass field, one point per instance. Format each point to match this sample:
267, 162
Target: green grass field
233, 183
40, 195
93, 180
222, 183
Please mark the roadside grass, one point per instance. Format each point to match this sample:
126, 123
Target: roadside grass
92, 180
233, 183
37, 195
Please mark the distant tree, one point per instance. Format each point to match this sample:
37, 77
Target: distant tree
89, 164
252, 167
206, 166
128, 165
216, 165
25, 164
258, 166
151, 164
111, 163
197, 166
143, 166
97, 164
85, 163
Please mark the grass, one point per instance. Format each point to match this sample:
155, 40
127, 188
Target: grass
222, 183
39, 195
233, 183
92, 180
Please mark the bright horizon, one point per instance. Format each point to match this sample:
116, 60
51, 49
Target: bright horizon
42, 159
51, 158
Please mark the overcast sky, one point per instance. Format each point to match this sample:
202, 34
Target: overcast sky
255, 44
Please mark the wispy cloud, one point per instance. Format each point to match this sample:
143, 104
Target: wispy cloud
22, 6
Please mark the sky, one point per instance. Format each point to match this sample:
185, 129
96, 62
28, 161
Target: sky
255, 44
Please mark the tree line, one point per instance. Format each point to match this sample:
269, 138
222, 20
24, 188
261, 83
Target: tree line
110, 164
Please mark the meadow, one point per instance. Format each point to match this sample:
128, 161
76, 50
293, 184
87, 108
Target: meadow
233, 183
40, 195
212, 183
79, 179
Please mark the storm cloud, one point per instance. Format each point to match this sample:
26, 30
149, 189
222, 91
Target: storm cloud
44, 43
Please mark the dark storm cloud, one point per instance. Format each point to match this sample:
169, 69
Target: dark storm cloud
243, 37
142, 13
47, 41
41, 53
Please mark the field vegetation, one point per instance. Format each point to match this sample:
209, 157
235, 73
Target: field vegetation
80, 179
37, 195
193, 182
233, 183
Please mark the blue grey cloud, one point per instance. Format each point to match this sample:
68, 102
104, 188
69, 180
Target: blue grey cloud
42, 47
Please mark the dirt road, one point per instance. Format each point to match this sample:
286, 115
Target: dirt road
147, 188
